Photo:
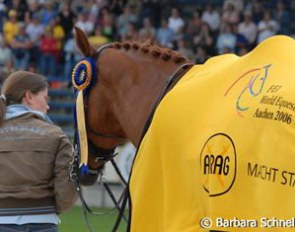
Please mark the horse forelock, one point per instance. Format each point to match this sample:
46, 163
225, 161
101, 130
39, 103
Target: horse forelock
155, 51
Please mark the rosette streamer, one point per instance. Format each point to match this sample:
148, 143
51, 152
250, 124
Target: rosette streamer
83, 76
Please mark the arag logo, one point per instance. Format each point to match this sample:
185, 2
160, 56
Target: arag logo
218, 164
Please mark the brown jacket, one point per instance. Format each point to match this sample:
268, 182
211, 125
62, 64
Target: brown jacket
34, 159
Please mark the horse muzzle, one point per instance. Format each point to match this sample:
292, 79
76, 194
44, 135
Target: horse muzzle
89, 178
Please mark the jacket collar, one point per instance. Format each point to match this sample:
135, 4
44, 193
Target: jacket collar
17, 110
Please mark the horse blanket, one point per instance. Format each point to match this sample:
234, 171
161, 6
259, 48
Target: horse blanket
220, 152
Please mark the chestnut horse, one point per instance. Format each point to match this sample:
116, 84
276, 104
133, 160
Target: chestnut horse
131, 80
131, 77
220, 144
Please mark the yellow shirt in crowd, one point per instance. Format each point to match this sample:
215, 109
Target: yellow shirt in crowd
10, 30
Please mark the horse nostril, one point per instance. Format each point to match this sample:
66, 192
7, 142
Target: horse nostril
87, 179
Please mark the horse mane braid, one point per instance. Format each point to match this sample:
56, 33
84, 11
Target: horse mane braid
166, 56
179, 59
117, 45
155, 51
135, 46
145, 49
127, 45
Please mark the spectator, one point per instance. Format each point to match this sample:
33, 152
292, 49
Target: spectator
131, 34
282, 16
248, 28
47, 13
165, 35
66, 19
84, 23
117, 6
36, 157
49, 49
176, 22
3, 10
10, 27
205, 40
257, 10
72, 56
148, 9
124, 20
21, 45
35, 30
201, 55
230, 15
194, 24
57, 31
147, 32
212, 18
183, 49
95, 9
106, 21
5, 54
20, 7
98, 39
33, 9
241, 40
78, 6
267, 27
226, 40
58, 34
238, 4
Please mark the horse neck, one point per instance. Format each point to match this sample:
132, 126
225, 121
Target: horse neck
135, 84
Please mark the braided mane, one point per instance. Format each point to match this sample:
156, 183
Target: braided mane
155, 51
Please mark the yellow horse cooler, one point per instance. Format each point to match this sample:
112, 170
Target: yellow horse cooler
220, 152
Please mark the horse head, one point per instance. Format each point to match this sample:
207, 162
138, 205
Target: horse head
129, 79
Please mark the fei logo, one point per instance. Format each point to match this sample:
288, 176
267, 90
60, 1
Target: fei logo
248, 86
218, 164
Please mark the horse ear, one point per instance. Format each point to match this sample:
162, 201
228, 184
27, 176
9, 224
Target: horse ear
83, 43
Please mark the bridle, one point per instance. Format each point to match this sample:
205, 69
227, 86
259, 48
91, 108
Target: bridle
98, 153
91, 130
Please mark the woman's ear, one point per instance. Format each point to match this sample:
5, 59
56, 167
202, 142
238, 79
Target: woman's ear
27, 98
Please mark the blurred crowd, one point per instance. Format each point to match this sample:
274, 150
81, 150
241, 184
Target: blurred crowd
38, 35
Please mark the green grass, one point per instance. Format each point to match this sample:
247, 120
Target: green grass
74, 221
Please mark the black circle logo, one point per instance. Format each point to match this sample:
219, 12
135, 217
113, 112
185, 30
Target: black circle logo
218, 164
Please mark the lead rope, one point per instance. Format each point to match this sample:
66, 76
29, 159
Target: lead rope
73, 173
169, 82
74, 176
